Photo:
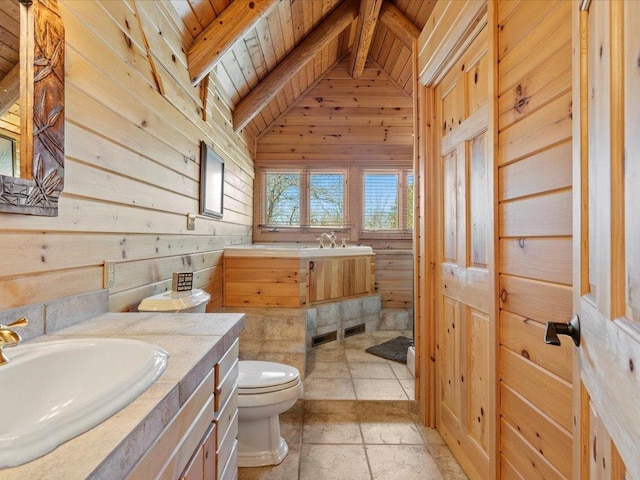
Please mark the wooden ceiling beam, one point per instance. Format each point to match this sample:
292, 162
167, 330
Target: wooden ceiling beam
219, 37
403, 28
339, 19
367, 21
9, 89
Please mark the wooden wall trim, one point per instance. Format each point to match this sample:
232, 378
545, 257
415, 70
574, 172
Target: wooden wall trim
451, 27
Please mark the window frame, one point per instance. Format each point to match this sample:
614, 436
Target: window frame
305, 198
403, 229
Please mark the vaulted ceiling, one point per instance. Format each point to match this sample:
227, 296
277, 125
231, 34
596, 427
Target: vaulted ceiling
268, 53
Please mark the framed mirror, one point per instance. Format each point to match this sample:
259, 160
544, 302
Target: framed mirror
211, 182
32, 175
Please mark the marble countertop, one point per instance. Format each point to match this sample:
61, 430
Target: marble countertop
195, 342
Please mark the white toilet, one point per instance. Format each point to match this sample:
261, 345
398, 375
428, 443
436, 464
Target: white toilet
265, 390
192, 301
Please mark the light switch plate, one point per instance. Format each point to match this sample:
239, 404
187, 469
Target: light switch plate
191, 221
109, 274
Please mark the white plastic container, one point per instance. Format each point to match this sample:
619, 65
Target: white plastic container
411, 360
193, 301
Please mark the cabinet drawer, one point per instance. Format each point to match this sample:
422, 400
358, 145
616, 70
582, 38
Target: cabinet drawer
209, 447
224, 417
226, 386
225, 364
194, 468
230, 471
225, 448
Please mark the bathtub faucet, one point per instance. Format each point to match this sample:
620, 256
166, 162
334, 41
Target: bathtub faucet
331, 237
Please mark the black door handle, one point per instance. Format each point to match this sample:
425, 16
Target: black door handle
554, 329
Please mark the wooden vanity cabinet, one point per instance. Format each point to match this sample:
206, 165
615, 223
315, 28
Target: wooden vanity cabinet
214, 459
199, 443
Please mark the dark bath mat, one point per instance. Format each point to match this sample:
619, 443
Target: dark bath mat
395, 349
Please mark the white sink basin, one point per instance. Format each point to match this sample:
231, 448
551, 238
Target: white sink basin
54, 391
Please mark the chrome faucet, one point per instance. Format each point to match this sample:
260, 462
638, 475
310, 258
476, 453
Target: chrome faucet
331, 237
9, 338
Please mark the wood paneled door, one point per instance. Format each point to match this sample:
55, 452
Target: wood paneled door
607, 238
464, 382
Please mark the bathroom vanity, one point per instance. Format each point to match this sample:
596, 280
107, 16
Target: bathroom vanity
184, 426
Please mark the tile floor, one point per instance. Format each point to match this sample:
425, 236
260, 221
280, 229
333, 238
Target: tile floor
344, 371
357, 422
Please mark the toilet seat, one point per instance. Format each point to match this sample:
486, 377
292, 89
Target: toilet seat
257, 377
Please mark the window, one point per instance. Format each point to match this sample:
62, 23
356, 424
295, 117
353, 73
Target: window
282, 195
7, 156
388, 200
304, 198
326, 206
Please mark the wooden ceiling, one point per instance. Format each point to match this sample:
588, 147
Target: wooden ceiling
306, 38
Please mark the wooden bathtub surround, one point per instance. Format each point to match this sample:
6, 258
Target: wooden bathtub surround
294, 282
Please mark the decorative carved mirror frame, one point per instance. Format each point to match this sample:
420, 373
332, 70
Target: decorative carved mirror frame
41, 180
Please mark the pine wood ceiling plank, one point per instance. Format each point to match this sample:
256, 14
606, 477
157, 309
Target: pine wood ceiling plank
232, 67
367, 21
276, 34
187, 16
226, 84
299, 22
331, 26
256, 56
263, 36
400, 26
404, 56
423, 14
204, 12
378, 40
220, 36
286, 22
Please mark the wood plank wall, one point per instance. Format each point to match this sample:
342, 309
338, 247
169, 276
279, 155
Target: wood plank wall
355, 123
535, 225
132, 168
343, 121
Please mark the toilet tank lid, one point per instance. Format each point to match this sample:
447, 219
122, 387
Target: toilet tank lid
174, 301
256, 374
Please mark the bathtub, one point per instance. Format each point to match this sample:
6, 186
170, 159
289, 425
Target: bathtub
295, 275
294, 250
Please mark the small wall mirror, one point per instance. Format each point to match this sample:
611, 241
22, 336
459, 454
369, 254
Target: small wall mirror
31, 107
211, 182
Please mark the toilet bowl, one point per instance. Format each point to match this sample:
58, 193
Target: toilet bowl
265, 390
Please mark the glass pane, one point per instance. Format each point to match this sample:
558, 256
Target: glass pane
6, 156
410, 201
326, 197
380, 201
282, 193
478, 202
450, 207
